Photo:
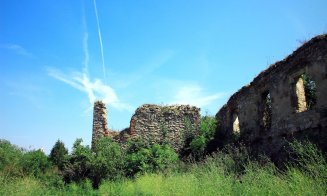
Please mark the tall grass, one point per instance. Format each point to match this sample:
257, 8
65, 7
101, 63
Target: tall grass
211, 179
224, 173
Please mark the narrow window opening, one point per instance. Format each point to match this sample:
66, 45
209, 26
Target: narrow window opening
267, 110
236, 124
310, 90
305, 89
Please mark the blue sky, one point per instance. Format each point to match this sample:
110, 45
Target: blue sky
57, 57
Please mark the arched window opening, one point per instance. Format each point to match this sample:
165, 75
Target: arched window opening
236, 124
305, 89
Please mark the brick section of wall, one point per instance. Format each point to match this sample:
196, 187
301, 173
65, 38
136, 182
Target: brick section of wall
280, 80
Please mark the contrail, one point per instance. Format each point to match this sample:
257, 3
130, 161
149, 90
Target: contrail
100, 40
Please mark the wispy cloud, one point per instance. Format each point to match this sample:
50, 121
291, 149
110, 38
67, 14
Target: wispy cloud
18, 49
100, 40
194, 95
94, 89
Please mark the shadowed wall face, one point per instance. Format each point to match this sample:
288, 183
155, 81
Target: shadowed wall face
286, 101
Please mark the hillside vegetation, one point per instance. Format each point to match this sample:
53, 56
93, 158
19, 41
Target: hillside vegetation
139, 169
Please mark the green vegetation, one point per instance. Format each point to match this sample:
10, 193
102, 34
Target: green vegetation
59, 154
310, 90
138, 168
199, 143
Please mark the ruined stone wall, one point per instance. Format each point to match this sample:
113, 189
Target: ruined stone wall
100, 125
289, 116
157, 124
151, 123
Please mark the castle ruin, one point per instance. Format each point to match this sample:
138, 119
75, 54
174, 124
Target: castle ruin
100, 125
151, 123
286, 101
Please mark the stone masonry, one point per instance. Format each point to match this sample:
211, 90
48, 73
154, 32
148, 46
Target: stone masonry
155, 124
100, 126
272, 108
151, 123
264, 114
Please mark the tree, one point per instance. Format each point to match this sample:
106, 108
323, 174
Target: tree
59, 154
79, 163
10, 156
207, 131
108, 161
35, 163
310, 89
150, 159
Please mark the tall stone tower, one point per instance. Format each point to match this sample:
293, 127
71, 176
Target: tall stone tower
100, 126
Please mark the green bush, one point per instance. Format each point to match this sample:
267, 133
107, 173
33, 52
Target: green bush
59, 155
310, 89
226, 172
35, 163
198, 144
79, 163
10, 157
152, 159
108, 161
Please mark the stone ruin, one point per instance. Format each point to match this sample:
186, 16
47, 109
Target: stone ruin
273, 108
100, 125
276, 107
155, 124
152, 123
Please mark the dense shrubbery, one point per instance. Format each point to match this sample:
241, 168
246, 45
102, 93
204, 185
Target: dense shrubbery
112, 161
145, 169
35, 163
107, 161
59, 154
227, 172
206, 133
196, 142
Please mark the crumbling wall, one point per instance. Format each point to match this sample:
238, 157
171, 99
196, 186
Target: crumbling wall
100, 125
289, 116
151, 123
157, 124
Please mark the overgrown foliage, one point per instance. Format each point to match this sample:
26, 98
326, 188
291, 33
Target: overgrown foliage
200, 142
59, 154
155, 158
227, 172
310, 90
140, 168
35, 163
197, 140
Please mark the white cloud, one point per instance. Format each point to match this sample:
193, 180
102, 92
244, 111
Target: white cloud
194, 95
95, 89
18, 49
